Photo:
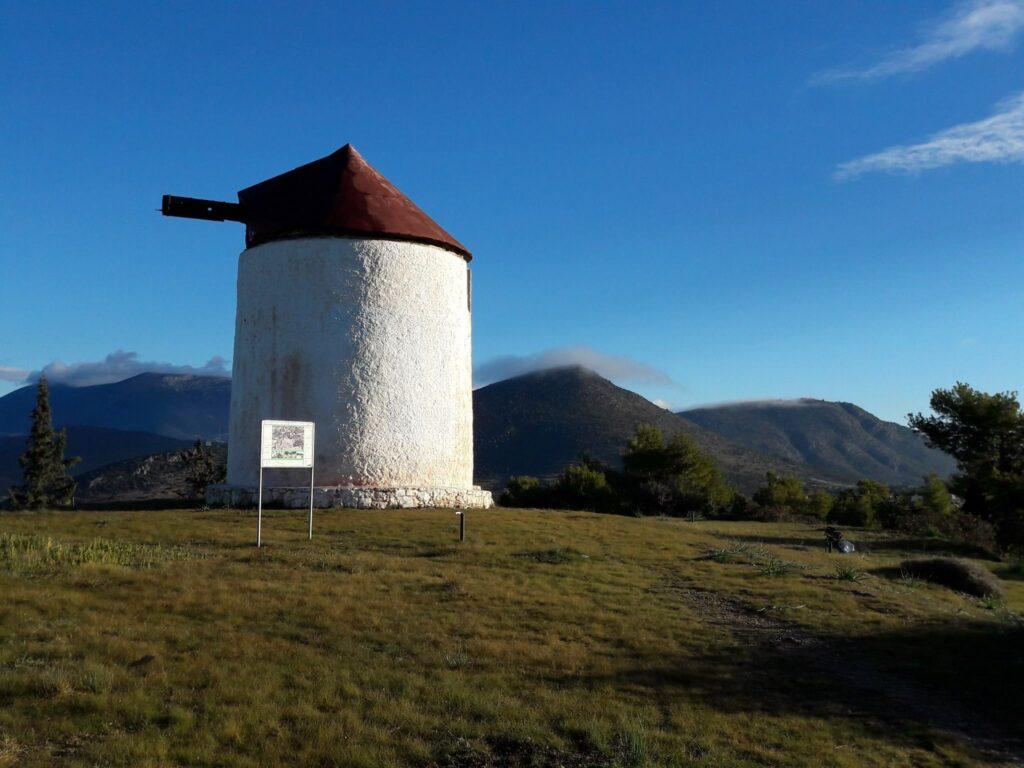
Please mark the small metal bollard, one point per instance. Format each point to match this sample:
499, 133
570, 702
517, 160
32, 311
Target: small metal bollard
462, 525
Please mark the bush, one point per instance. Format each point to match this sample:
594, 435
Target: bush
784, 496
584, 487
860, 506
671, 477
523, 491
959, 575
907, 515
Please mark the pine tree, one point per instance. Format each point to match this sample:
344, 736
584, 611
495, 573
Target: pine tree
202, 468
44, 468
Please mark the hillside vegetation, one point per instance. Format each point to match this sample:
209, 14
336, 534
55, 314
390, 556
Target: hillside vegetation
98, 447
546, 639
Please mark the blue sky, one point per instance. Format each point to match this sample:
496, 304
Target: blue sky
708, 201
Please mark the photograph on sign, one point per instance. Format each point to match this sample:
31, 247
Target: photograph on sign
287, 444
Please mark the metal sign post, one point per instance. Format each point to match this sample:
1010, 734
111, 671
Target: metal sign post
286, 445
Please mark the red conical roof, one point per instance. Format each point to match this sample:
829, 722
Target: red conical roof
340, 194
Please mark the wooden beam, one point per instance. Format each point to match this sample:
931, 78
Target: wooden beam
209, 210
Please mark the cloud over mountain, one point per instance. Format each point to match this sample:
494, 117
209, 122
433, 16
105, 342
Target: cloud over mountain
14, 375
116, 366
615, 367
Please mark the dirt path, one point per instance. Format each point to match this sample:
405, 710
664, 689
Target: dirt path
863, 686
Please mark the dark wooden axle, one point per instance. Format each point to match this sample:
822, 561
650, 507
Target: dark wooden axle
209, 210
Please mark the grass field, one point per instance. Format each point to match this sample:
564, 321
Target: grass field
548, 638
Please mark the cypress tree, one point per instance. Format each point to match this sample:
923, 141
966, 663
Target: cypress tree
46, 480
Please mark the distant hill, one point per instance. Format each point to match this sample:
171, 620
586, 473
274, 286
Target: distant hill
538, 423
160, 477
838, 438
97, 446
534, 424
176, 405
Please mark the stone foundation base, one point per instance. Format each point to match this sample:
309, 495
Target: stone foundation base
349, 496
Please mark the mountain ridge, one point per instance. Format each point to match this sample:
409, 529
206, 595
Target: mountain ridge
539, 422
835, 436
182, 406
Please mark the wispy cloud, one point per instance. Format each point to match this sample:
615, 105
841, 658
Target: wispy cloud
116, 366
996, 139
972, 25
614, 367
14, 375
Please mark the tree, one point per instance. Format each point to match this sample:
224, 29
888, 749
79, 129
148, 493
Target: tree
819, 504
985, 434
584, 486
935, 497
202, 468
46, 481
860, 506
672, 477
781, 491
785, 493
523, 491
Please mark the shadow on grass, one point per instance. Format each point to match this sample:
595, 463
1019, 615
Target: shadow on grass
928, 545
1011, 572
143, 505
872, 541
900, 686
811, 540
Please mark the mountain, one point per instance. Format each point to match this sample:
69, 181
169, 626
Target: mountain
538, 423
176, 405
97, 446
534, 424
837, 438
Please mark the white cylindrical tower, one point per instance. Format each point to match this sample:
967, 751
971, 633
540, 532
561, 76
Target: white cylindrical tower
354, 312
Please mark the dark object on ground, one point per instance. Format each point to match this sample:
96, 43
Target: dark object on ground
957, 574
834, 538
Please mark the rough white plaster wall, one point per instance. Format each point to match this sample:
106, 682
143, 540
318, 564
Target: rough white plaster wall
370, 339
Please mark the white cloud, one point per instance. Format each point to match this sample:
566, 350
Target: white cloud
118, 366
972, 25
996, 139
662, 403
610, 366
14, 375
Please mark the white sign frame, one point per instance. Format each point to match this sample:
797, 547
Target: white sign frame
286, 445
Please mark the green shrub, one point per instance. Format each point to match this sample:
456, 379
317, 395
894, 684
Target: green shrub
772, 565
584, 487
672, 477
860, 506
959, 575
846, 572
736, 550
522, 491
